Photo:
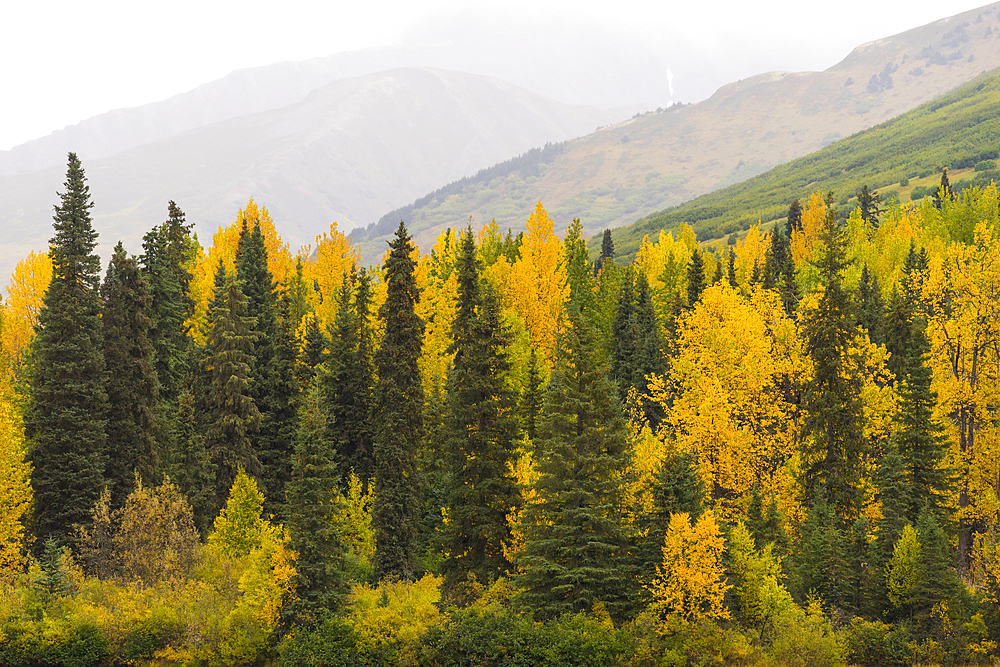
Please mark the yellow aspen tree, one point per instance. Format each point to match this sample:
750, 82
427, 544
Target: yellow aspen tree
691, 580
438, 301
27, 286
665, 265
750, 254
325, 267
536, 288
15, 486
725, 397
804, 242
964, 329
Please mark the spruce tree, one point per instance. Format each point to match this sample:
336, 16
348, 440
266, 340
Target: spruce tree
821, 557
637, 348
695, 278
833, 445
936, 580
870, 307
233, 417
531, 400
280, 420
793, 223
168, 251
348, 381
868, 205
131, 380
320, 585
607, 252
481, 418
731, 267
191, 467
313, 352
921, 440
574, 535
398, 402
65, 420
943, 191
895, 496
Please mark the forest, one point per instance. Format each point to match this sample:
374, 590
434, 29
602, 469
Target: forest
779, 452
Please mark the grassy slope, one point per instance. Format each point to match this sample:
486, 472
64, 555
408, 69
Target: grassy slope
633, 169
955, 130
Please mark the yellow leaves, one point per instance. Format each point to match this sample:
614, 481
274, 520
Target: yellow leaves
438, 304
15, 487
325, 268
750, 255
355, 518
27, 287
268, 578
536, 287
805, 242
665, 262
690, 582
396, 612
723, 398
903, 572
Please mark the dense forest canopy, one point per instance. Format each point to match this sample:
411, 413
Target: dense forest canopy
783, 451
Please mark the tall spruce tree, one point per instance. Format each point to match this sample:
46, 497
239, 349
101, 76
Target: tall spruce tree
398, 402
793, 223
607, 252
833, 445
636, 345
695, 278
348, 381
168, 251
870, 307
482, 421
313, 352
232, 415
65, 420
868, 205
131, 380
531, 401
574, 537
320, 584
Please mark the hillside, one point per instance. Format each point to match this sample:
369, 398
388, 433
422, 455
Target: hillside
345, 153
639, 166
957, 130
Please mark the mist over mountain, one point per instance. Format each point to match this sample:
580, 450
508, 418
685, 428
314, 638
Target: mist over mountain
346, 153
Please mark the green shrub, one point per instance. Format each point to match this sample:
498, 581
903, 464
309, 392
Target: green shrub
58, 643
332, 644
160, 630
903, 182
805, 639
875, 644
986, 165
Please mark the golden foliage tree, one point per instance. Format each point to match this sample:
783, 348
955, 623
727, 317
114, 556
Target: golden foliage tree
691, 581
28, 283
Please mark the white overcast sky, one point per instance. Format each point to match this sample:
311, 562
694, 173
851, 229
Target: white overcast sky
64, 61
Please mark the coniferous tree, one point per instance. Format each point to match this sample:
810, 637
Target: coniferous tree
191, 467
481, 418
637, 349
793, 223
313, 353
574, 533
871, 308
868, 205
347, 384
319, 565
833, 444
920, 439
531, 401
695, 278
779, 270
821, 557
895, 496
936, 580
607, 252
398, 402
944, 190
131, 378
65, 420
232, 414
168, 251
281, 420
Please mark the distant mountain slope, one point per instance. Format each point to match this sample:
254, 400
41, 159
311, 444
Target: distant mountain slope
347, 152
589, 77
640, 166
957, 130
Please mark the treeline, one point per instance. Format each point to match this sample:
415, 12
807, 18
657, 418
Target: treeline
956, 130
502, 452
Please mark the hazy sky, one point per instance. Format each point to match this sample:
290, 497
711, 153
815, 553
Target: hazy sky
64, 61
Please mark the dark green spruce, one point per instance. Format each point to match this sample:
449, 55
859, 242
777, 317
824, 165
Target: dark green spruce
482, 421
131, 381
398, 402
65, 421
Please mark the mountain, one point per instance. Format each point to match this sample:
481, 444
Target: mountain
346, 152
642, 165
604, 73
